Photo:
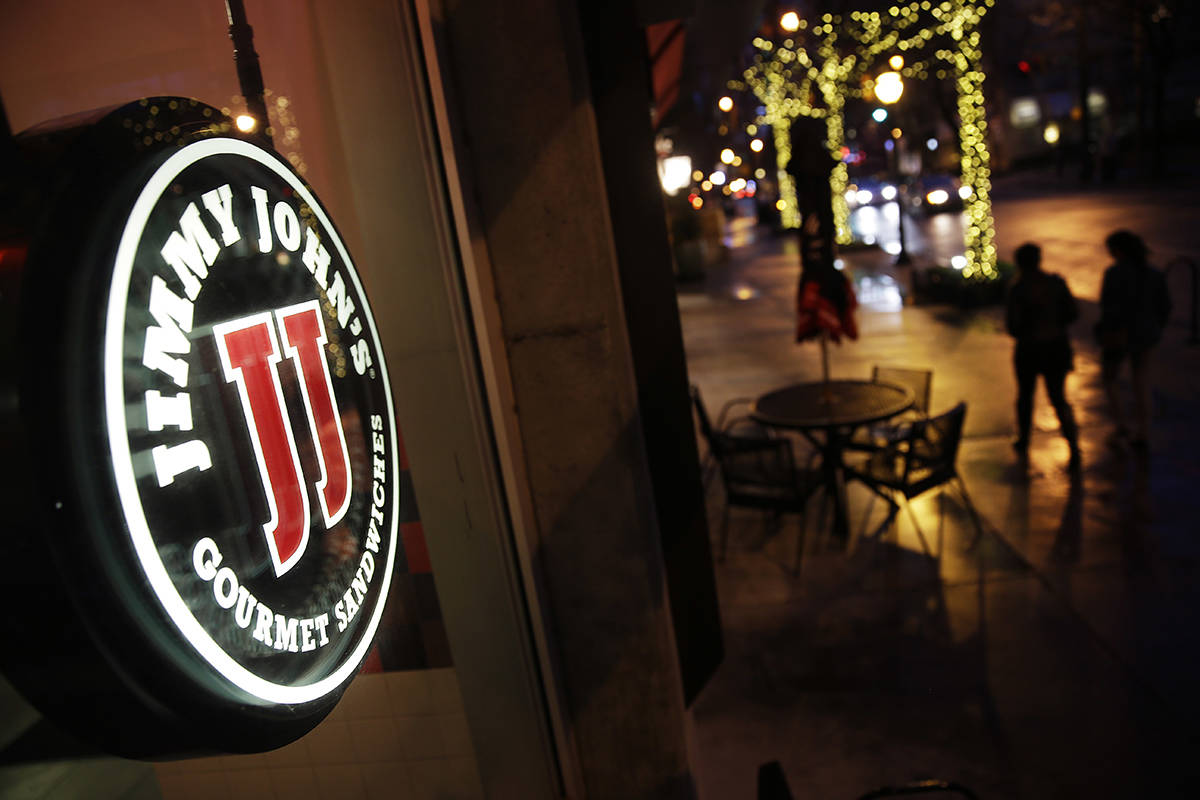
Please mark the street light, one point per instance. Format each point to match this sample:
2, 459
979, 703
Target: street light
889, 86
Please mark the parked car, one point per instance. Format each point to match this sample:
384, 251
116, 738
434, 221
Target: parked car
933, 194
869, 191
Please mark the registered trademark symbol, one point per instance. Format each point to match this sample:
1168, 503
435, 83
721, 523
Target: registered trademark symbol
372, 373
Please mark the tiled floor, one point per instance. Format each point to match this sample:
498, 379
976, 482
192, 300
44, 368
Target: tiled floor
394, 735
1053, 655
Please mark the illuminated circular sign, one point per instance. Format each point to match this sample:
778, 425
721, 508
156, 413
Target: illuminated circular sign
241, 372
233, 486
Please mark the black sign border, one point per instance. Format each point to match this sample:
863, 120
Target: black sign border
96, 651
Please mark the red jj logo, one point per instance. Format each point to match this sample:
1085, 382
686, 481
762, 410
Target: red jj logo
250, 353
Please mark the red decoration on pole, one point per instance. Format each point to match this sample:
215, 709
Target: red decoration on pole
826, 306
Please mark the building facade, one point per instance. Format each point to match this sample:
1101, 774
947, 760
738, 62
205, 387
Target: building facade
553, 610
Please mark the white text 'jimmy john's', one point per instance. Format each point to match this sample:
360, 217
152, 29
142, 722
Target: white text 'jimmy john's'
196, 241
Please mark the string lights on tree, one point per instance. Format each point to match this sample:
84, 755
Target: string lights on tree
811, 73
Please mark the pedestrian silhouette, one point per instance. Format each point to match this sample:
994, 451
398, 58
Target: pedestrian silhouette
1134, 307
1039, 311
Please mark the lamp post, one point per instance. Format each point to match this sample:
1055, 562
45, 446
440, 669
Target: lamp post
249, 73
889, 86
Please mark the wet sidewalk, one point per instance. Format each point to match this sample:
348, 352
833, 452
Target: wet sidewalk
1053, 655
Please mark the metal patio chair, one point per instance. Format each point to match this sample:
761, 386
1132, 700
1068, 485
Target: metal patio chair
740, 428
757, 470
773, 785
877, 436
923, 459
923, 788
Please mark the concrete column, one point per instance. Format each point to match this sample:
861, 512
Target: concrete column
618, 66
516, 84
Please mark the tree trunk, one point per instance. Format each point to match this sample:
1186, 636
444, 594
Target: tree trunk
1085, 119
1161, 56
1140, 80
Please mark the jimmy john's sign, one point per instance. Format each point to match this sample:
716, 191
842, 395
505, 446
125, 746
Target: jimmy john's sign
241, 370
245, 431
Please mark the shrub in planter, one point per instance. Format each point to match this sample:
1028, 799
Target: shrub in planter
686, 240
947, 285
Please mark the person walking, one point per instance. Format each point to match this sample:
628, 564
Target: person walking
1134, 307
1039, 311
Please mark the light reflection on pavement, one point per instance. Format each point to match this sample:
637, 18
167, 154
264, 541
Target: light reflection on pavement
930, 240
879, 293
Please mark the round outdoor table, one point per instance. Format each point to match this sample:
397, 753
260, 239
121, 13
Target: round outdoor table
827, 413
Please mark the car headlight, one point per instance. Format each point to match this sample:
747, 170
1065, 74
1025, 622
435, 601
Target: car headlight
937, 197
